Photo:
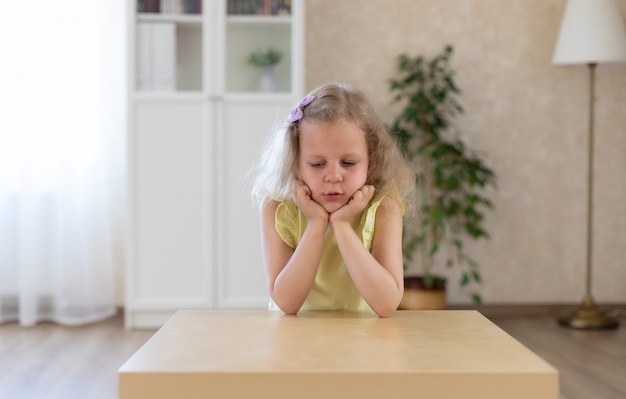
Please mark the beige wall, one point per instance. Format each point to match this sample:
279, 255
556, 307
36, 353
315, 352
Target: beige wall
527, 116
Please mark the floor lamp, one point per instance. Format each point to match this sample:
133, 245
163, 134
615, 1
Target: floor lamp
592, 32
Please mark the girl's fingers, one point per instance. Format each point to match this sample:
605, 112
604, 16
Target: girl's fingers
365, 194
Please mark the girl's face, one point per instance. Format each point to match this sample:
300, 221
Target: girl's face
333, 161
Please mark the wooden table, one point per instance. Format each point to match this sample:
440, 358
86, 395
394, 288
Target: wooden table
266, 354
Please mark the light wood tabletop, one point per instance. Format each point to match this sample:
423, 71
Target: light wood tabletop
327, 354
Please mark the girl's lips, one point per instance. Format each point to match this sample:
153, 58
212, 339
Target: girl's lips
332, 196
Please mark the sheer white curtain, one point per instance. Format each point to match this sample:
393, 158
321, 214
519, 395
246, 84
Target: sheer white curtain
62, 123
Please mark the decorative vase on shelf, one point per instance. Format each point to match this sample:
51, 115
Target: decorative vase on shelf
267, 83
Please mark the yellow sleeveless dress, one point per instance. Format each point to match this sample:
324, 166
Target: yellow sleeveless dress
333, 288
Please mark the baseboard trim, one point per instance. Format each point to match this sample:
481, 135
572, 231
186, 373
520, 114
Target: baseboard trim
519, 310
536, 310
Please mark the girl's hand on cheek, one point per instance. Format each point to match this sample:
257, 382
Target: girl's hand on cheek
303, 200
355, 206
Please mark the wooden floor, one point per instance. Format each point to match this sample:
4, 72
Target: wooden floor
591, 364
51, 361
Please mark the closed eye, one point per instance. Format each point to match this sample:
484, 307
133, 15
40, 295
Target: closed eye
348, 163
317, 164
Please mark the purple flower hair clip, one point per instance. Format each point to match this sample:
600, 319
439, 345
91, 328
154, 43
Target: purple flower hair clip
296, 113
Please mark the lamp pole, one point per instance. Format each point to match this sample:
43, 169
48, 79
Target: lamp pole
588, 316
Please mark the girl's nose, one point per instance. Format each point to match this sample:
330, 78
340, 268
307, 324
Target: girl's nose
333, 174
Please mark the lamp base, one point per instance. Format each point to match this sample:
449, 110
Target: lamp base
588, 317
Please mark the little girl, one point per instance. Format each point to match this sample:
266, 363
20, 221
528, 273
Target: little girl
333, 188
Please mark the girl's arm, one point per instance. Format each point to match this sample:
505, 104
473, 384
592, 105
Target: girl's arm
290, 273
377, 275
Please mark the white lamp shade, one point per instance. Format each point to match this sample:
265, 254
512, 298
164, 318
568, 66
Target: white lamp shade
592, 31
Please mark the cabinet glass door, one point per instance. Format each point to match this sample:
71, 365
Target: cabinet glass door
258, 46
168, 47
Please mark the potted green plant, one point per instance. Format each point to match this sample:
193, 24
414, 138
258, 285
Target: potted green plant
266, 60
451, 178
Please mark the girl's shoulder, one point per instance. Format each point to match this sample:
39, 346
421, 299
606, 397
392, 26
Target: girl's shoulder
287, 222
388, 198
383, 206
280, 209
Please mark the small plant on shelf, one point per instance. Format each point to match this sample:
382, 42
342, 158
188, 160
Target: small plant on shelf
267, 58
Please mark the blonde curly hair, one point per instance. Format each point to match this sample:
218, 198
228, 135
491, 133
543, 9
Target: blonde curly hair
279, 164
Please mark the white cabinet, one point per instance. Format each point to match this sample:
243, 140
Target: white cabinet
197, 121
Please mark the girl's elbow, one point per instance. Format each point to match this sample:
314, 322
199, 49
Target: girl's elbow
286, 308
385, 313
290, 311
387, 309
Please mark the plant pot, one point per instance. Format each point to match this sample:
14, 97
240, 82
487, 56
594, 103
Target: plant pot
418, 296
267, 83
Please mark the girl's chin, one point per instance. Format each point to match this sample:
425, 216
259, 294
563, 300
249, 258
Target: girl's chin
331, 207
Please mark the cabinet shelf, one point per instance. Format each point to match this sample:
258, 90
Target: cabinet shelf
258, 19
256, 97
170, 18
170, 96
